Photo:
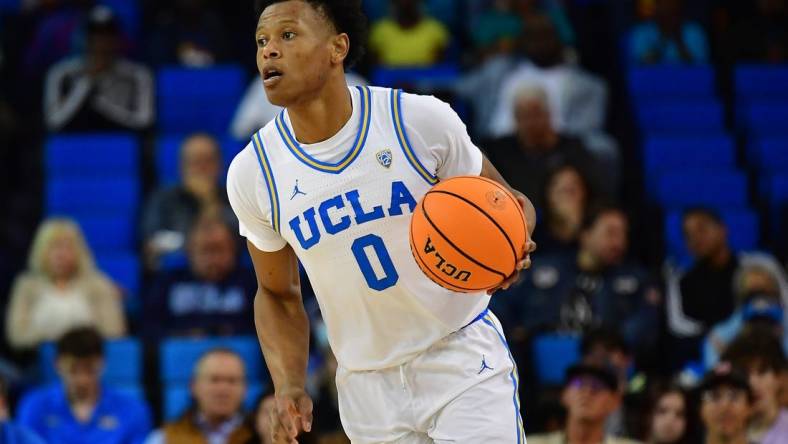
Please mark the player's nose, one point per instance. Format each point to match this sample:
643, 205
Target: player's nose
271, 51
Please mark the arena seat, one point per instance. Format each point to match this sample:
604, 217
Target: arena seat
670, 81
763, 118
760, 82
690, 116
90, 195
123, 360
106, 232
124, 268
769, 153
715, 188
179, 355
97, 155
198, 99
672, 152
553, 354
433, 77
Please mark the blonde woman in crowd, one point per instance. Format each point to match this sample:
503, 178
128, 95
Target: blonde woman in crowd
61, 289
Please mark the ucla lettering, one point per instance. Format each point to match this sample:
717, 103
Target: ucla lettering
335, 214
443, 266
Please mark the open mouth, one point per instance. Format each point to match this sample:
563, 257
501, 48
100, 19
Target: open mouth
271, 75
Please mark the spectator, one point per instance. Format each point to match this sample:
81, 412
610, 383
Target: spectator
566, 195
255, 110
591, 287
525, 158
213, 295
10, 432
603, 347
170, 212
590, 395
80, 409
577, 100
760, 355
669, 38
408, 38
499, 27
188, 34
761, 304
761, 38
99, 91
61, 290
218, 389
704, 295
726, 405
669, 418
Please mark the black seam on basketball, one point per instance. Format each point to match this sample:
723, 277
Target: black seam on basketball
506, 236
467, 256
510, 196
427, 268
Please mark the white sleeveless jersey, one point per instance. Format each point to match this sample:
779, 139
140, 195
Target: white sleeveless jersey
348, 223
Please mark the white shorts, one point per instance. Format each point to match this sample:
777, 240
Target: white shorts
463, 389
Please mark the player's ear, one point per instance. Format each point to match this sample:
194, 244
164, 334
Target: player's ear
340, 46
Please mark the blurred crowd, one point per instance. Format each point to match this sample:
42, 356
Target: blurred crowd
615, 341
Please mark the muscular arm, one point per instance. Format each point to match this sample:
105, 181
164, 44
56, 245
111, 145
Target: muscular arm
280, 319
489, 171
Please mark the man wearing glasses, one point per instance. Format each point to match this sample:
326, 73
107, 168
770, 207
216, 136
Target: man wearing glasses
590, 396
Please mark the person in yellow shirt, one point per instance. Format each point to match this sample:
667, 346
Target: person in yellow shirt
408, 37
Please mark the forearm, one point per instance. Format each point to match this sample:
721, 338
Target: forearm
283, 330
489, 171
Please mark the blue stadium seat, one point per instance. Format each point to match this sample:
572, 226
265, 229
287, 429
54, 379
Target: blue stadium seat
763, 118
107, 232
205, 99
714, 188
123, 267
179, 355
10, 5
758, 82
691, 116
123, 360
778, 190
109, 155
168, 148
83, 195
553, 354
743, 230
769, 154
671, 81
177, 398
423, 78
669, 152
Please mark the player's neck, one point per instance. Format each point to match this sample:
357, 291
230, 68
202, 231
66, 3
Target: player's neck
319, 119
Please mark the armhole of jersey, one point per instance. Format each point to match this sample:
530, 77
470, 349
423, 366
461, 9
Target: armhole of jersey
404, 141
268, 177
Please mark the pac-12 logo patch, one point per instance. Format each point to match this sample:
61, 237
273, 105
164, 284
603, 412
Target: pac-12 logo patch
384, 158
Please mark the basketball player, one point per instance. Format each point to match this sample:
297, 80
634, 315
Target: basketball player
332, 182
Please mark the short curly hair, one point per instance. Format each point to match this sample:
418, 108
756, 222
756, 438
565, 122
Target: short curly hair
347, 16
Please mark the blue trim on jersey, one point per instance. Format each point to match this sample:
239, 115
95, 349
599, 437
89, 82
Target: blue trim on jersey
404, 141
515, 381
292, 144
268, 176
477, 318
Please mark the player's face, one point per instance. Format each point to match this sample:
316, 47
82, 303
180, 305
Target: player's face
295, 51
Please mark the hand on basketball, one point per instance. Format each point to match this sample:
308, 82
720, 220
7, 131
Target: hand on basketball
292, 415
525, 263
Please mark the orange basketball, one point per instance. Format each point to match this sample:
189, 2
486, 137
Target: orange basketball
468, 233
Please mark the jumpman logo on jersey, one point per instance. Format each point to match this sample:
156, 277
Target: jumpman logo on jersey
296, 191
484, 366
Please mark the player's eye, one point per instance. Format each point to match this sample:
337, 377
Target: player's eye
288, 35
261, 41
